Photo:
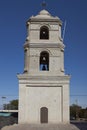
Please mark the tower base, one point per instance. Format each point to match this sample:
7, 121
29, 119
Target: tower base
42, 126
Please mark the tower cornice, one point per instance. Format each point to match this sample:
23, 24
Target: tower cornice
43, 78
46, 45
44, 20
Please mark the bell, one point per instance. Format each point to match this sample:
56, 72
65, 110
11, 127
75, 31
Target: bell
44, 58
44, 67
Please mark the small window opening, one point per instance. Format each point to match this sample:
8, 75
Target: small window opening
44, 32
44, 61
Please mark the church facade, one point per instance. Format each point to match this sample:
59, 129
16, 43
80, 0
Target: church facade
43, 86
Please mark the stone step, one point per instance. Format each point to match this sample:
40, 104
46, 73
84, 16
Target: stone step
41, 127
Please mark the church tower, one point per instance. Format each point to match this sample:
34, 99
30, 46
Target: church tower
43, 86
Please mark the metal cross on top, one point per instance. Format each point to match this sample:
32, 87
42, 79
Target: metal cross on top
44, 4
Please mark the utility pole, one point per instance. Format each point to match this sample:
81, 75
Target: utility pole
76, 109
3, 102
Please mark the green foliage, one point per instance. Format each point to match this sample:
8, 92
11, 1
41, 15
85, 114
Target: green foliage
77, 111
13, 105
74, 110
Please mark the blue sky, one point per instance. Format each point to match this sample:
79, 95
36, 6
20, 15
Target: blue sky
13, 17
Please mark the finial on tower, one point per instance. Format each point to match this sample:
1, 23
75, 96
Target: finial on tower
44, 4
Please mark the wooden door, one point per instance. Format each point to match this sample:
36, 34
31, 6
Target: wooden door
44, 115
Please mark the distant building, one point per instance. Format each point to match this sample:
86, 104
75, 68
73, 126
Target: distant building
43, 87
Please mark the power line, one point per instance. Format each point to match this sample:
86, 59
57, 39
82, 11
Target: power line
70, 95
8, 95
79, 95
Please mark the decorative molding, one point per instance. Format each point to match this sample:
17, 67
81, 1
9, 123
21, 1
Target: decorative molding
47, 45
45, 20
45, 78
42, 85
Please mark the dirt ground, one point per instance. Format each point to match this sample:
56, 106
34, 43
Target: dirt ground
6, 121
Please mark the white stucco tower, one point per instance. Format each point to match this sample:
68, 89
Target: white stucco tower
43, 86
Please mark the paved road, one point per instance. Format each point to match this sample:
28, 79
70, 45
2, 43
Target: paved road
80, 125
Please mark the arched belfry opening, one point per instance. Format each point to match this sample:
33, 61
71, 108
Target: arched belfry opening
44, 61
44, 32
44, 115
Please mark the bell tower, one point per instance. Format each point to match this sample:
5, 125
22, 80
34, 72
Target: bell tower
43, 86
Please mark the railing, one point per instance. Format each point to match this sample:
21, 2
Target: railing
8, 110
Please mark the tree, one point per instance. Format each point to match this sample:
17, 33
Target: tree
13, 105
74, 111
78, 112
85, 114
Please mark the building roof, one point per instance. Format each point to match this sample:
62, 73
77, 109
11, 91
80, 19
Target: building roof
44, 15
